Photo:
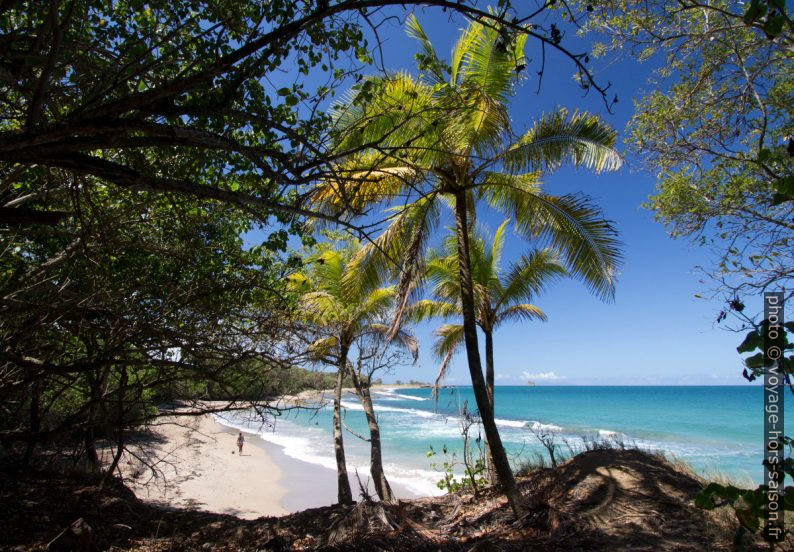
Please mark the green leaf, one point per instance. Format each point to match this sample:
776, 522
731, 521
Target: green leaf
751, 342
774, 26
284, 92
758, 361
755, 11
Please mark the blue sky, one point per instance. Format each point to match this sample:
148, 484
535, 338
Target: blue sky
655, 332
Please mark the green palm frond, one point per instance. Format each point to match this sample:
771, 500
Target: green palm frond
570, 224
442, 273
581, 139
361, 181
497, 246
478, 126
459, 51
433, 67
298, 282
321, 307
399, 251
396, 114
323, 347
515, 313
450, 339
489, 62
376, 305
528, 277
427, 308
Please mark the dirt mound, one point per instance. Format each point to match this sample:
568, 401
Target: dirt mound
599, 500
631, 499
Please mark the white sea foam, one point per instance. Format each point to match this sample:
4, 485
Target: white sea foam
381, 408
510, 423
418, 481
538, 426
317, 450
390, 392
299, 448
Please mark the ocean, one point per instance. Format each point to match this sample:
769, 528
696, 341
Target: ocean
717, 430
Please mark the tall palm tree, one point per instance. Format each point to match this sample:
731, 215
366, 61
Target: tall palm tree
414, 143
500, 295
345, 309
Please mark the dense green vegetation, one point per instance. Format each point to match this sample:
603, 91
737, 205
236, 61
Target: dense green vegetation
716, 129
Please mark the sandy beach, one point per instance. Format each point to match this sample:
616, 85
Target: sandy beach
197, 466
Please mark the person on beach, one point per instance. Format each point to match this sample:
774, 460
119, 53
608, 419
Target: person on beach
240, 442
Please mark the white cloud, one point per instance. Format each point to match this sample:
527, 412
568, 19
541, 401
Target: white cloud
547, 376
501, 377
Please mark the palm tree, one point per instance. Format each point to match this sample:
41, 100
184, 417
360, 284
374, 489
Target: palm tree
499, 297
446, 136
347, 309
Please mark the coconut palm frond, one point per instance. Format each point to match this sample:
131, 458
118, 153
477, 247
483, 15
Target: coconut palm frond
570, 224
489, 63
528, 277
323, 347
382, 259
449, 341
450, 338
581, 139
376, 305
427, 308
520, 312
434, 67
460, 50
494, 257
321, 307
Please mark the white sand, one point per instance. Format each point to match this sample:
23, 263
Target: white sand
198, 466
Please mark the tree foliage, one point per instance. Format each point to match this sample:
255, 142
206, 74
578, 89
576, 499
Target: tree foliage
717, 127
138, 298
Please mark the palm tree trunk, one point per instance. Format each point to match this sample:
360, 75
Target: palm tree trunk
382, 486
489, 371
489, 385
501, 464
345, 496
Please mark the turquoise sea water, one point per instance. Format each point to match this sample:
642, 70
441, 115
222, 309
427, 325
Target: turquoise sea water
715, 429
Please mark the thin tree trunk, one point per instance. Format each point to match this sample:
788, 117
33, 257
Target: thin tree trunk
501, 464
88, 433
35, 422
119, 428
489, 384
345, 496
382, 486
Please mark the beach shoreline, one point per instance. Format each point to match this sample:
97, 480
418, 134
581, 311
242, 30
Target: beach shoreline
309, 485
192, 462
